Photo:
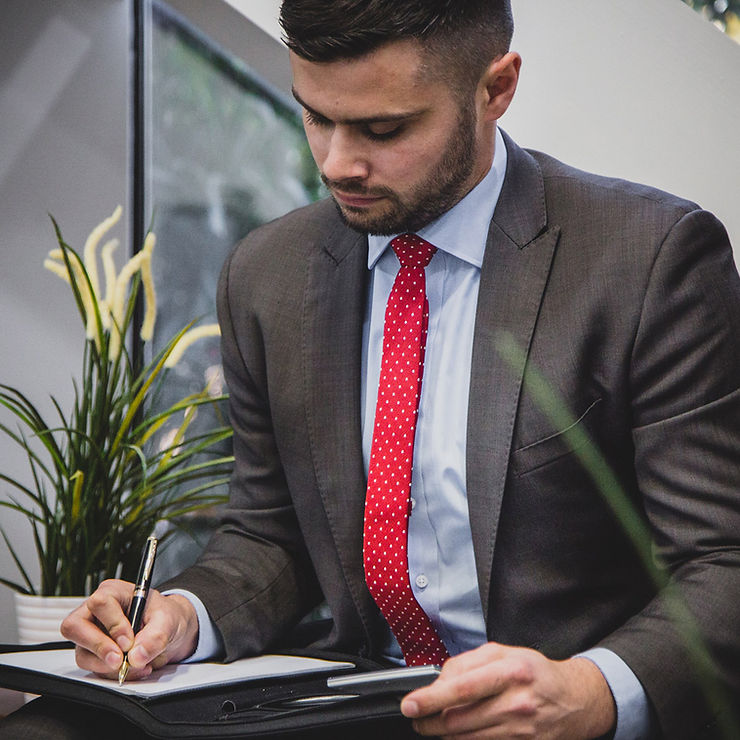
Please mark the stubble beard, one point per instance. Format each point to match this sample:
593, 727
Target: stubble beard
443, 188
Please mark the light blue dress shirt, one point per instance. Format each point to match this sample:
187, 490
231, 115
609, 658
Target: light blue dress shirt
440, 546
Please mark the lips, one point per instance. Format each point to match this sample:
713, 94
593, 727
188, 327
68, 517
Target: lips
353, 200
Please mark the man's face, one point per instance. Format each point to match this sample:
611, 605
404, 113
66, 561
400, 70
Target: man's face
394, 146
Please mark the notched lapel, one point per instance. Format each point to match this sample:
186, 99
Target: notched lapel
514, 276
334, 308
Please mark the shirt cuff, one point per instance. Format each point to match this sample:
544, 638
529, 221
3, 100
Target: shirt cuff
210, 644
633, 708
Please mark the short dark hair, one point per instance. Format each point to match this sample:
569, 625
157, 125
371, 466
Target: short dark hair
463, 35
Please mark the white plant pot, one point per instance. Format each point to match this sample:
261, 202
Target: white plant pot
39, 617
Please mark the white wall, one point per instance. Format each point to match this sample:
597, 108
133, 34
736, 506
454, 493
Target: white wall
263, 13
63, 150
641, 89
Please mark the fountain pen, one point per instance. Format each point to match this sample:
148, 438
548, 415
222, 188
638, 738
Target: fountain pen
138, 602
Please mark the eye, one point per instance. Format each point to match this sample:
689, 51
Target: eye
314, 119
383, 131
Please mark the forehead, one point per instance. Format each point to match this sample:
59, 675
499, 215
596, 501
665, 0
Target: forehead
394, 77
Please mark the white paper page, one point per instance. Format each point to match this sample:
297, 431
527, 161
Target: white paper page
176, 677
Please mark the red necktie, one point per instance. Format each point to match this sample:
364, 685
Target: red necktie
388, 501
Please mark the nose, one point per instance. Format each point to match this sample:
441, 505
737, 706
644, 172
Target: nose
344, 159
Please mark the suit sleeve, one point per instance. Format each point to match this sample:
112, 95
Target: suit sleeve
685, 376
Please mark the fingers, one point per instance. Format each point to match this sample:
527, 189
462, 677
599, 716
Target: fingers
480, 690
102, 632
99, 628
509, 714
500, 691
465, 678
160, 626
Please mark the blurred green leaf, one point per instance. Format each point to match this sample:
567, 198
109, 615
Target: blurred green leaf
108, 471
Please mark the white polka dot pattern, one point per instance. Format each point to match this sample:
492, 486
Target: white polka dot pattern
388, 501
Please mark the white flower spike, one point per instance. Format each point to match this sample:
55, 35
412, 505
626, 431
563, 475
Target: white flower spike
188, 338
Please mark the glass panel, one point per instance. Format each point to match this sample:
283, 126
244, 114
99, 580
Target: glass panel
224, 154
725, 14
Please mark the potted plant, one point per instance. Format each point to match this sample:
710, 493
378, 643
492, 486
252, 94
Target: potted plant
106, 472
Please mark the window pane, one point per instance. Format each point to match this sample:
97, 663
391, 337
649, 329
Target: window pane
224, 154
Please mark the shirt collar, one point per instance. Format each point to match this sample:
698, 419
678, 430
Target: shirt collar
463, 230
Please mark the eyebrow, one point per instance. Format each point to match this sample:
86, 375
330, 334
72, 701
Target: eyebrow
386, 118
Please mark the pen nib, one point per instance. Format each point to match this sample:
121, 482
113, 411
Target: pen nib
123, 671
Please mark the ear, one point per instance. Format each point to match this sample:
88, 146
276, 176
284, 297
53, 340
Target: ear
498, 85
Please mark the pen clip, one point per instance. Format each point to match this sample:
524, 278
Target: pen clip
147, 563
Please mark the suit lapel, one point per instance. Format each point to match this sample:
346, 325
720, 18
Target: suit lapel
334, 310
514, 274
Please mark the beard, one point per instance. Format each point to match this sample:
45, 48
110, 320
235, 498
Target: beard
445, 185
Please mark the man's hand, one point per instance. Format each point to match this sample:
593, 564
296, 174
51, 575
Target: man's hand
497, 691
102, 633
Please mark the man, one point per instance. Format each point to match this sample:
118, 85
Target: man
624, 299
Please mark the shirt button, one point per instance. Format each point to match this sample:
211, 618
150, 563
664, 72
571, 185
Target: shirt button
422, 581
413, 503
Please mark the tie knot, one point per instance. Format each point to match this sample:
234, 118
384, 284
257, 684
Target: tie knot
412, 250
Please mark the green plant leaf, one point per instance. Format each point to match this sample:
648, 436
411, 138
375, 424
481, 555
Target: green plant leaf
100, 482
29, 586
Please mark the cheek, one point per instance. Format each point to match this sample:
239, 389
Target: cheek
318, 143
401, 162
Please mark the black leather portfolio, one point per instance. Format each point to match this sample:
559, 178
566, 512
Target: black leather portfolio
216, 700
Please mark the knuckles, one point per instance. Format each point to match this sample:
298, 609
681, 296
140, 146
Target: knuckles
67, 627
524, 705
522, 672
157, 639
101, 597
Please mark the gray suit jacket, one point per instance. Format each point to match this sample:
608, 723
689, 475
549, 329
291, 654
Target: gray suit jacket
616, 302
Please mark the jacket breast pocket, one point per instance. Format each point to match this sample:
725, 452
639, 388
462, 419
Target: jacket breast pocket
569, 440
